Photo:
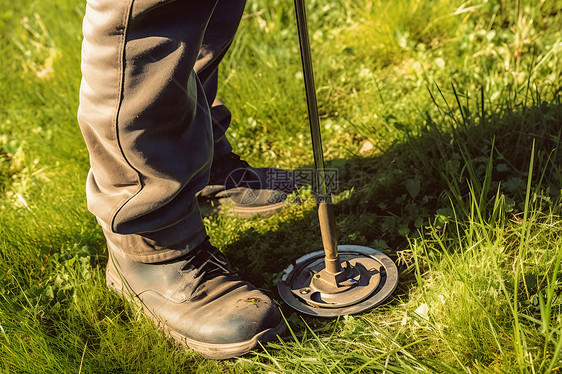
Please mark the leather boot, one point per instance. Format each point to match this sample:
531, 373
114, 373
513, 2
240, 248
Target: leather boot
246, 191
199, 301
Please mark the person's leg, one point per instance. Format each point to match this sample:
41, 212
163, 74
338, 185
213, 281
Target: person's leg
218, 38
145, 120
233, 182
147, 125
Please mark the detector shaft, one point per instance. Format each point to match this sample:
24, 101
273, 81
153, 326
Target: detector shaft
323, 195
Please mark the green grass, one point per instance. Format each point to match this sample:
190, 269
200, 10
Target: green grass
444, 119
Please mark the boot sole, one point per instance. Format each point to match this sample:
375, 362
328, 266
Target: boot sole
251, 212
232, 210
207, 350
214, 199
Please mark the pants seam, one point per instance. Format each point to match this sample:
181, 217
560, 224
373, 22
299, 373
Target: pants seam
121, 58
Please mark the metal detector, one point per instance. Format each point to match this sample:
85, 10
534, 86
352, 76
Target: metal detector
344, 279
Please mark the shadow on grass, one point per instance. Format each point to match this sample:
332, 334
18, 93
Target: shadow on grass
393, 195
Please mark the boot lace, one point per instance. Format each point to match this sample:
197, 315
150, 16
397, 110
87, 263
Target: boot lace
205, 262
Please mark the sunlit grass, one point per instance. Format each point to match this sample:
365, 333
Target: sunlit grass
444, 119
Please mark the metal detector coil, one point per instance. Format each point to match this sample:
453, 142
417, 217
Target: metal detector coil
374, 279
340, 280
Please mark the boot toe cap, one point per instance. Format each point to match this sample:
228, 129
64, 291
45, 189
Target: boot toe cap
231, 321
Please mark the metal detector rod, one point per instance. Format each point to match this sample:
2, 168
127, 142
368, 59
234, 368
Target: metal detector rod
325, 211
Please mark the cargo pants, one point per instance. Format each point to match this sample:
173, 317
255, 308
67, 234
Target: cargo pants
150, 118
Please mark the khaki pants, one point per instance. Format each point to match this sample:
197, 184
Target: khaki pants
150, 119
